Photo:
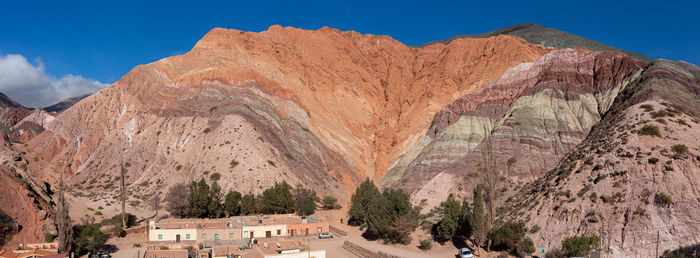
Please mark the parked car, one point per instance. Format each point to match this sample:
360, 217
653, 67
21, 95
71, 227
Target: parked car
465, 253
325, 235
101, 255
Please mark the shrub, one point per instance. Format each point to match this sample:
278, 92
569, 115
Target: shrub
48, 237
162, 247
653, 160
662, 199
525, 248
554, 253
579, 245
329, 202
426, 244
534, 229
89, 239
650, 130
507, 236
679, 149
215, 177
233, 163
647, 107
178, 167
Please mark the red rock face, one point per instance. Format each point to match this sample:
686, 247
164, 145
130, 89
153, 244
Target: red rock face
341, 104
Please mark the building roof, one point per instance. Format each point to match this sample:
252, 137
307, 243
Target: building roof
275, 247
38, 253
179, 253
7, 254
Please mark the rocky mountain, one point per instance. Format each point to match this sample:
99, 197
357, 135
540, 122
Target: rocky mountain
323, 108
545, 36
533, 114
587, 140
7, 102
24, 197
633, 177
20, 124
64, 104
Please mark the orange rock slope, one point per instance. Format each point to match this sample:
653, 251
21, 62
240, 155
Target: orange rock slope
365, 98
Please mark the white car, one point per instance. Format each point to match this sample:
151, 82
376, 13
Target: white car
325, 235
465, 253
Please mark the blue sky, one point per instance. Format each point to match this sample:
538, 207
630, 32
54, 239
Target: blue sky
102, 40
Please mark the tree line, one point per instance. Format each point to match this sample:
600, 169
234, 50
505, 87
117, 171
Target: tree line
202, 200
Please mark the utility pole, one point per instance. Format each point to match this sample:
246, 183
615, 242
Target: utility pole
657, 243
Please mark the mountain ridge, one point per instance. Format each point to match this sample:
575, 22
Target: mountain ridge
542, 35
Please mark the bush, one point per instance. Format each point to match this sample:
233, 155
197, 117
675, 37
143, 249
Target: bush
215, 177
686, 251
525, 248
534, 229
647, 107
679, 149
554, 253
507, 236
48, 237
579, 245
653, 160
662, 199
426, 244
89, 239
650, 130
329, 202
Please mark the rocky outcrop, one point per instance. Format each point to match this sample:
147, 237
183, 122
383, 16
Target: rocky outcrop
633, 177
323, 108
533, 114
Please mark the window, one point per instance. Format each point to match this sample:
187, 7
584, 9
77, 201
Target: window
187, 236
320, 229
216, 236
204, 236
160, 236
246, 234
279, 232
230, 235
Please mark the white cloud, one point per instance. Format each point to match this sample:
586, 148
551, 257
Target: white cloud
30, 86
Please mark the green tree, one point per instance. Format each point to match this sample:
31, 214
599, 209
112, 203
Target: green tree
278, 199
360, 201
579, 245
477, 219
450, 222
304, 201
90, 239
215, 208
391, 216
329, 202
199, 199
248, 204
232, 203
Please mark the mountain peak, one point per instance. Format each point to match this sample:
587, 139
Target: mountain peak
548, 37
